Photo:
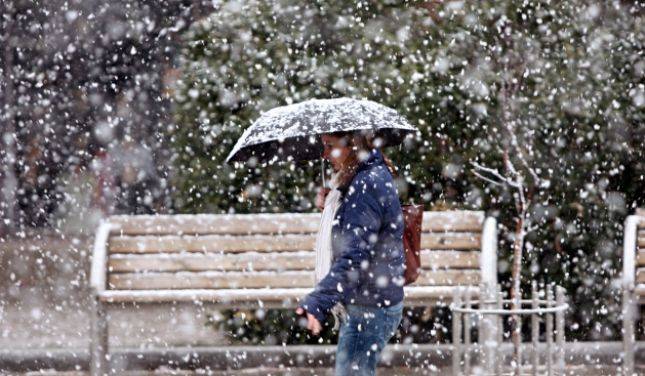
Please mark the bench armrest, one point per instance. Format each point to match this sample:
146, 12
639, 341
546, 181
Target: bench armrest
629, 251
99, 257
488, 261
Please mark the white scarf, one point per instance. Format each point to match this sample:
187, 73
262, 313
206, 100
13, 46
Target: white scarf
323, 243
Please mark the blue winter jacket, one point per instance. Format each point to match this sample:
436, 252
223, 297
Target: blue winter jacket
367, 244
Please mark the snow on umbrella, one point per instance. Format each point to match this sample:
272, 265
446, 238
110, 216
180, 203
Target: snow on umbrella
292, 131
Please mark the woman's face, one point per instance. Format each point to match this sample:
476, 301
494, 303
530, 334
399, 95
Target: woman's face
335, 150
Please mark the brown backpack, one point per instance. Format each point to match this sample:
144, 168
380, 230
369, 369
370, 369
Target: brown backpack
413, 217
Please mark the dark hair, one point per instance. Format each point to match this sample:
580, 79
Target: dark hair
361, 140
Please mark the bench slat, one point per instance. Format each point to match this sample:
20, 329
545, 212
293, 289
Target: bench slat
263, 243
436, 240
641, 257
274, 223
269, 297
453, 220
205, 243
640, 275
240, 224
250, 261
212, 280
239, 280
639, 291
247, 261
438, 259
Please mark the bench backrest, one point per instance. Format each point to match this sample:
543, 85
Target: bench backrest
634, 251
247, 251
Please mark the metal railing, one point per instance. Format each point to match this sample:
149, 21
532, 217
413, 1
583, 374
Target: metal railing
485, 317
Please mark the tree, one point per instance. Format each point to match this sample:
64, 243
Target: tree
79, 77
564, 76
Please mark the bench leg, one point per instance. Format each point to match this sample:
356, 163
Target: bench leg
99, 361
488, 329
628, 331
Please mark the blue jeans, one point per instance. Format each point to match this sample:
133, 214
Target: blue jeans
363, 336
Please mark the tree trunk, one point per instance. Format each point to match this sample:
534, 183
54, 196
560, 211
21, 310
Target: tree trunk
516, 293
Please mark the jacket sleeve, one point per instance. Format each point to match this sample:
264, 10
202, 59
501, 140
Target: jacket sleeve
362, 223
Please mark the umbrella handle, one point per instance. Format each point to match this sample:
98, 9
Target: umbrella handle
322, 169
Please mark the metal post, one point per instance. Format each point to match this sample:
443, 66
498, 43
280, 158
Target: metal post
99, 363
500, 333
549, 332
467, 340
535, 328
456, 334
488, 328
517, 331
629, 337
559, 329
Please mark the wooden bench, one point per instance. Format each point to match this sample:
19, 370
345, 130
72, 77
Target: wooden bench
259, 260
633, 283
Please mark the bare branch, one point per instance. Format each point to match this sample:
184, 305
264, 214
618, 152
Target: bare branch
487, 179
520, 153
489, 170
495, 173
509, 165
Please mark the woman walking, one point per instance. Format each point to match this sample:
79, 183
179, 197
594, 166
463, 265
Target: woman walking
359, 253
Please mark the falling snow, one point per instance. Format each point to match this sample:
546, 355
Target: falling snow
531, 112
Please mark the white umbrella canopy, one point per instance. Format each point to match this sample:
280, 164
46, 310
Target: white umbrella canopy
293, 132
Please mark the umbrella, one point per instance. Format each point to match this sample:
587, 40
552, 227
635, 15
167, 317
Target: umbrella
292, 132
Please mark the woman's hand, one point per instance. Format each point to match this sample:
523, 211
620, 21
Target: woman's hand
312, 322
320, 198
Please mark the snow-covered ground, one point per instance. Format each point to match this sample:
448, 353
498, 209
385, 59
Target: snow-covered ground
44, 303
40, 326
